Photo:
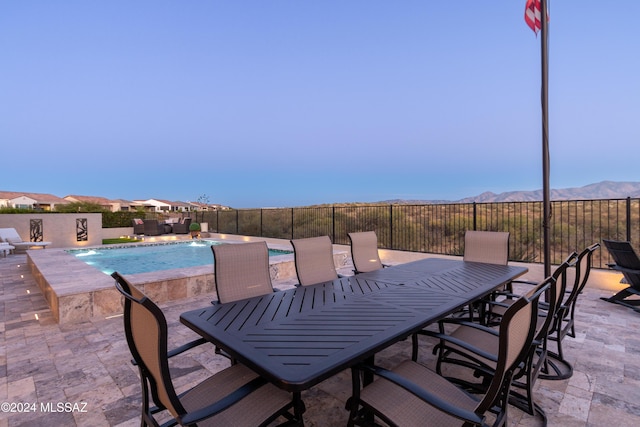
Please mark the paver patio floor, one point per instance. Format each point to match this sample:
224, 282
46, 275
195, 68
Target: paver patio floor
86, 365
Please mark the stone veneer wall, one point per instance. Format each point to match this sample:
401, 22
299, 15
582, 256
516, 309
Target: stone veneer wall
57, 228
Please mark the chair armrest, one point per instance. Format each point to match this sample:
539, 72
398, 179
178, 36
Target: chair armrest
185, 347
179, 350
623, 269
466, 346
463, 344
525, 282
463, 322
425, 395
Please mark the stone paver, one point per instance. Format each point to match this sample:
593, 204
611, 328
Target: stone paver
80, 375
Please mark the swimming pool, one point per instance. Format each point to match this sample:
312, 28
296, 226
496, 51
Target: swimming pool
135, 259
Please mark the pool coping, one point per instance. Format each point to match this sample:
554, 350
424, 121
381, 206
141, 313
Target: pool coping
77, 292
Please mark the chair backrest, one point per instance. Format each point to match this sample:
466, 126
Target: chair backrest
10, 235
517, 330
314, 260
146, 332
554, 296
486, 246
626, 259
582, 271
364, 251
241, 270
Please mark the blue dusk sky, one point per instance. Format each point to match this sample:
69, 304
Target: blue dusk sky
288, 102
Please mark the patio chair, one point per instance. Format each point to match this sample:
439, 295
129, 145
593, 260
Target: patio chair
11, 236
182, 227
314, 260
413, 395
582, 270
153, 227
490, 247
364, 252
138, 225
564, 323
233, 396
627, 262
499, 301
475, 346
241, 271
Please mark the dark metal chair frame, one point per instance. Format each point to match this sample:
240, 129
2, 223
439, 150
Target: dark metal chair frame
627, 262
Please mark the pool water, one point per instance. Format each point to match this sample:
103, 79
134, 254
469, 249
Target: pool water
146, 258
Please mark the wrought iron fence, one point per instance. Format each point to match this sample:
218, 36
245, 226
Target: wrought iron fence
440, 228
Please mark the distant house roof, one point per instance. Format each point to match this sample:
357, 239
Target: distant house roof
50, 199
90, 199
40, 198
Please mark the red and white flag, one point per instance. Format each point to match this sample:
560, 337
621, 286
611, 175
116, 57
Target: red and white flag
532, 15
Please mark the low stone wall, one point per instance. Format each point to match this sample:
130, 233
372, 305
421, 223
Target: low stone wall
114, 233
77, 292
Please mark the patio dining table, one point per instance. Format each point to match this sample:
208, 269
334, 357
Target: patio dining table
300, 337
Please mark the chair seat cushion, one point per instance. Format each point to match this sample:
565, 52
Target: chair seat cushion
250, 411
405, 409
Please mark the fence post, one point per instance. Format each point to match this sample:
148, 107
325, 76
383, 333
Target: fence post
333, 222
390, 226
475, 212
292, 236
628, 219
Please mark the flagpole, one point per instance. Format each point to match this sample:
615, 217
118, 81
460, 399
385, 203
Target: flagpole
546, 201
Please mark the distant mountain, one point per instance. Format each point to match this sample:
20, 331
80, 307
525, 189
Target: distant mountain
601, 190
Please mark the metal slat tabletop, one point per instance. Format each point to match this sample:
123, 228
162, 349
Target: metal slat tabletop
299, 337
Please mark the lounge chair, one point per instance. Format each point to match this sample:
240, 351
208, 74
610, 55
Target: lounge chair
11, 236
314, 260
364, 252
627, 262
414, 395
234, 396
